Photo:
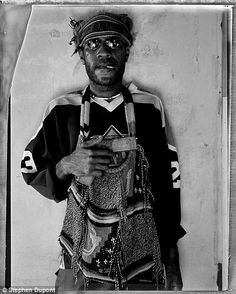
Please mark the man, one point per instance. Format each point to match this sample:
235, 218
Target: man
107, 150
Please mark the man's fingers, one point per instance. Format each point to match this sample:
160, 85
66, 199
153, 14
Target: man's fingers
94, 141
100, 167
97, 173
91, 153
94, 168
92, 173
101, 152
91, 161
101, 160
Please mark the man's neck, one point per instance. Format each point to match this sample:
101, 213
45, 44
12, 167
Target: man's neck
105, 91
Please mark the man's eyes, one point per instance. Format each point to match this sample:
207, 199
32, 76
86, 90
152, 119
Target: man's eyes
92, 44
111, 43
114, 43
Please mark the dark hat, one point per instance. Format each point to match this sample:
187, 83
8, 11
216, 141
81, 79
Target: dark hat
102, 24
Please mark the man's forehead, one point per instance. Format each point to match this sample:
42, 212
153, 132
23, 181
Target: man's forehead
104, 38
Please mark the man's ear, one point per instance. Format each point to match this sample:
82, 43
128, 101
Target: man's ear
127, 53
81, 55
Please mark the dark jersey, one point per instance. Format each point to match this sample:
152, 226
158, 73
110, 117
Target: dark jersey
58, 134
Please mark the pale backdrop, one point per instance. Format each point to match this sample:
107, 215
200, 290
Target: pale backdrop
177, 54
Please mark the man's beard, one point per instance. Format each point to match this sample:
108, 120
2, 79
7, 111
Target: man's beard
105, 81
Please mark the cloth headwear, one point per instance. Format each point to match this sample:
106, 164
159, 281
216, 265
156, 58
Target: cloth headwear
102, 24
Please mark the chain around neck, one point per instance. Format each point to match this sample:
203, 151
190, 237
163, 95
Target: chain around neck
93, 96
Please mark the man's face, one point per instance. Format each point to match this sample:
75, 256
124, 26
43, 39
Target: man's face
104, 60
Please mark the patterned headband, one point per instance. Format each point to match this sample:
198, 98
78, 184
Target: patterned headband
103, 24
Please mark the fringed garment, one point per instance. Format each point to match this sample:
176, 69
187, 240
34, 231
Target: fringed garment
109, 230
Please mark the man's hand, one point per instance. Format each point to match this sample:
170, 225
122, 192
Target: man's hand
88, 160
173, 274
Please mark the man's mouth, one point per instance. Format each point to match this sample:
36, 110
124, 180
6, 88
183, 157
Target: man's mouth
108, 66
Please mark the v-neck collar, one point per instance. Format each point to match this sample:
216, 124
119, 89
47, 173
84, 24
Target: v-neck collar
110, 106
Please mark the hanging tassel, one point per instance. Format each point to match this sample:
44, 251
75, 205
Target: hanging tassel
142, 169
86, 283
158, 268
115, 269
80, 238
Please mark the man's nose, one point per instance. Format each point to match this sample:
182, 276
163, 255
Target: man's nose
104, 51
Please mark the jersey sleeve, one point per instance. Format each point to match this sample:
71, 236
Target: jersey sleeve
168, 200
42, 154
154, 134
175, 188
